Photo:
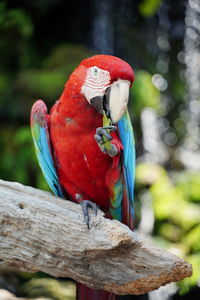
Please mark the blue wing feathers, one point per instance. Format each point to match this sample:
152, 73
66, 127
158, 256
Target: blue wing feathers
127, 139
40, 133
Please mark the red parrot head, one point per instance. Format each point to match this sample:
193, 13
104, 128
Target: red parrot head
106, 84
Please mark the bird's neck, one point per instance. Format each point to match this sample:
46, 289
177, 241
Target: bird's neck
72, 104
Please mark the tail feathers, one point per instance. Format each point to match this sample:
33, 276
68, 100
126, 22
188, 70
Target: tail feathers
85, 293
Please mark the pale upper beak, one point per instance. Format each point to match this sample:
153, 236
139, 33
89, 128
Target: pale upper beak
114, 101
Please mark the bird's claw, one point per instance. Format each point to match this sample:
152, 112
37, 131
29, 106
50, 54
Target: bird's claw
103, 131
102, 135
85, 204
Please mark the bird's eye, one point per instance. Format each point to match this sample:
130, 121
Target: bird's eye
95, 71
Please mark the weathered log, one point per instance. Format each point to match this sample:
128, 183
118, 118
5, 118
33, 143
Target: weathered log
40, 232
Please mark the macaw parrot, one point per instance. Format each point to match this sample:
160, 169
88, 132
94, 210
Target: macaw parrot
85, 146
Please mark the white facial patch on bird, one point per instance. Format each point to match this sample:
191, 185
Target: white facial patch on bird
96, 82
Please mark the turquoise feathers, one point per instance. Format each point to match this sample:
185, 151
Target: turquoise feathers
40, 133
123, 190
128, 142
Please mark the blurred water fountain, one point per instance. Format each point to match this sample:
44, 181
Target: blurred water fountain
111, 19
147, 220
155, 150
155, 131
163, 41
152, 127
103, 32
189, 153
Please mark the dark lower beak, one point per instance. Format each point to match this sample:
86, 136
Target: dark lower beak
97, 103
101, 103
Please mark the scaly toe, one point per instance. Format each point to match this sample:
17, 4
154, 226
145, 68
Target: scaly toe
85, 204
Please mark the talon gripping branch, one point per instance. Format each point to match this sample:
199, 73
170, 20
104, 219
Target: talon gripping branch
82, 154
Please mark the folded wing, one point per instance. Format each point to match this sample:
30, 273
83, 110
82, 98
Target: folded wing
128, 142
40, 134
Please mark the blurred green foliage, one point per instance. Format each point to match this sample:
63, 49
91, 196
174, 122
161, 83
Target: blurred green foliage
48, 80
15, 29
144, 93
177, 213
149, 7
188, 283
189, 184
49, 288
18, 160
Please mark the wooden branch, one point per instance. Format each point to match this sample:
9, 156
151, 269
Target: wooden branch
40, 232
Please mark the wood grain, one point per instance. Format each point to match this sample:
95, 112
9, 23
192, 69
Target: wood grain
40, 232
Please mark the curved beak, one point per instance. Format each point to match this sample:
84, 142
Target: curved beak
115, 100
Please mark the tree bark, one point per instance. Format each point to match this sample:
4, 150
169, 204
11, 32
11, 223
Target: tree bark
41, 232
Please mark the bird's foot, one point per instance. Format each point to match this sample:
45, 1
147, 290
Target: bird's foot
85, 204
103, 139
